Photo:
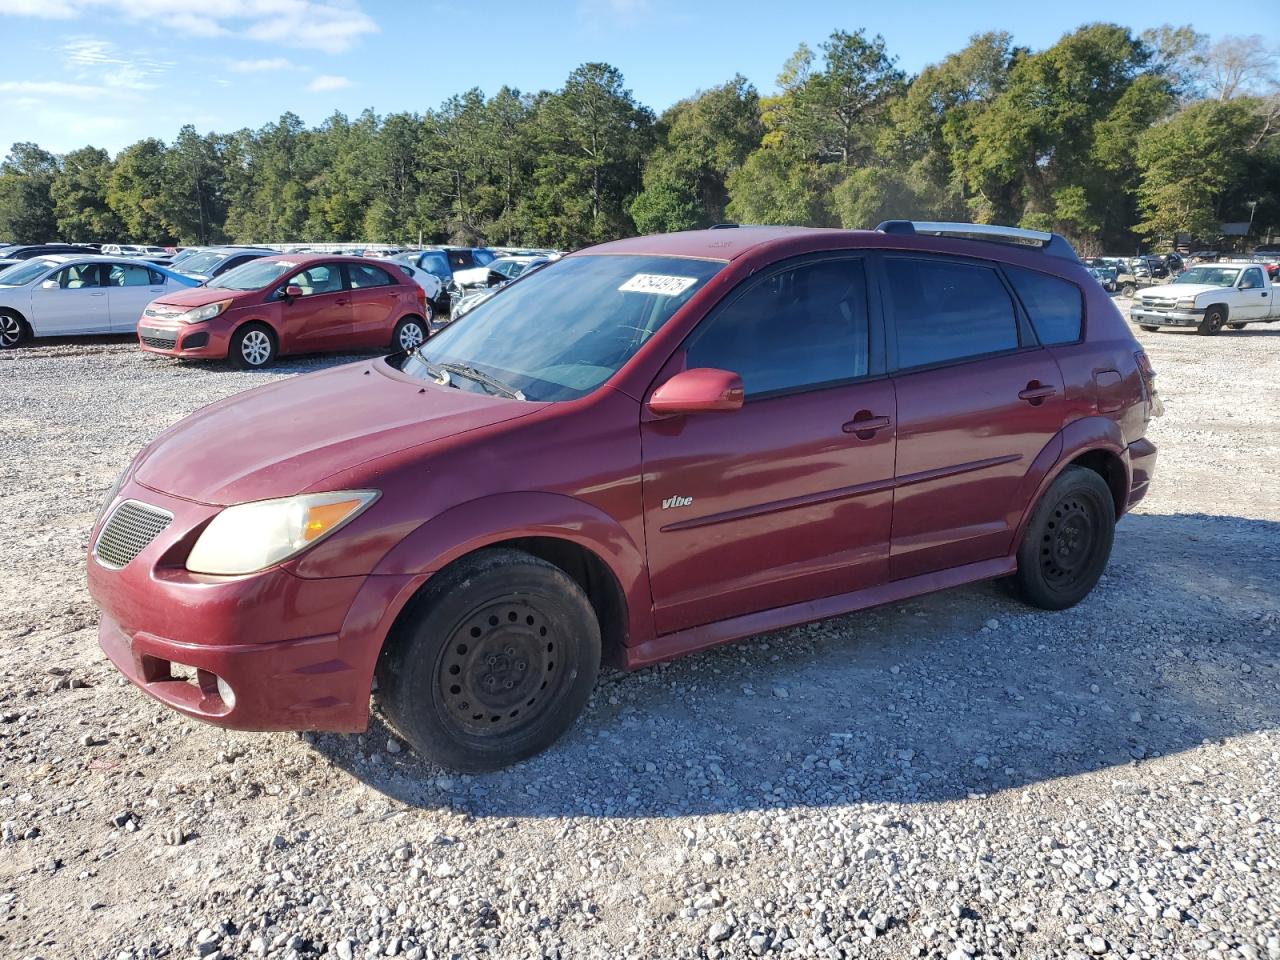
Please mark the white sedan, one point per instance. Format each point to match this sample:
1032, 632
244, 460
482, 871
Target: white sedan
57, 296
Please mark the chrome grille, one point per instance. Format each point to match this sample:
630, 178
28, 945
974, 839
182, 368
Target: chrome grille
131, 526
161, 339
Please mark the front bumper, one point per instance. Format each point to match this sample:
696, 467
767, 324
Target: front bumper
1166, 318
192, 340
296, 653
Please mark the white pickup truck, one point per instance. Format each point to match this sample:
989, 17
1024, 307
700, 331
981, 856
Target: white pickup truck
1209, 297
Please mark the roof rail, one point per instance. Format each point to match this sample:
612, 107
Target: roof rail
1050, 243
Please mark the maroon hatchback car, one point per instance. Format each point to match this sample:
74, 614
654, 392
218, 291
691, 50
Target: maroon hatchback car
287, 304
651, 447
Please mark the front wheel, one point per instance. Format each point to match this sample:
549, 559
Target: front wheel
1067, 543
1147, 327
410, 333
12, 331
252, 347
492, 662
1128, 290
1215, 319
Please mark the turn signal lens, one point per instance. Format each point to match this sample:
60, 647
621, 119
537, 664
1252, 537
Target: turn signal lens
325, 516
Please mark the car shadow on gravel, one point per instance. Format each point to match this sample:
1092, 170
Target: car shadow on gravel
941, 698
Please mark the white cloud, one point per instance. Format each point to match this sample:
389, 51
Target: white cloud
331, 26
326, 82
260, 66
52, 88
102, 62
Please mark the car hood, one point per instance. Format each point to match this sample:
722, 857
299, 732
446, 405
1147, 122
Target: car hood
287, 437
1177, 291
188, 297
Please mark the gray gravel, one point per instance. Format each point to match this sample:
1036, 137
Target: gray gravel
953, 777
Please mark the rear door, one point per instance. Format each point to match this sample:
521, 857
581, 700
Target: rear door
130, 288
320, 319
785, 500
978, 399
375, 304
72, 300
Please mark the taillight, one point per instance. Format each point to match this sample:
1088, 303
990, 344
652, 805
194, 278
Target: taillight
1148, 372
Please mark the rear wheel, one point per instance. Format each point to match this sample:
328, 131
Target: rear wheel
492, 662
1128, 290
1147, 327
13, 330
410, 333
1235, 326
1214, 320
1067, 543
252, 347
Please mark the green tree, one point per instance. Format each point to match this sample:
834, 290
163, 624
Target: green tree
194, 203
137, 195
79, 194
1189, 162
26, 206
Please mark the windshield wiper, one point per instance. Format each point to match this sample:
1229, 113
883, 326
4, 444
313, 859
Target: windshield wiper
435, 372
484, 379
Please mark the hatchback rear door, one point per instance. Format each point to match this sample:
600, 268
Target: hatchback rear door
375, 302
978, 399
789, 498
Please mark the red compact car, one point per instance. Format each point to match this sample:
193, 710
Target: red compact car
287, 304
650, 447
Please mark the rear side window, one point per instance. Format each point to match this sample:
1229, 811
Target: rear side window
795, 330
1053, 304
361, 276
945, 311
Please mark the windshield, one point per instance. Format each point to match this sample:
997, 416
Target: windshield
1213, 276
253, 275
560, 332
203, 263
26, 272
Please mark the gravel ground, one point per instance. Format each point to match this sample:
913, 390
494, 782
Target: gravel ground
954, 777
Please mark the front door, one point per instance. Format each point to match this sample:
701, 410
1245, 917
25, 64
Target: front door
978, 399
320, 319
787, 499
71, 301
130, 287
1253, 298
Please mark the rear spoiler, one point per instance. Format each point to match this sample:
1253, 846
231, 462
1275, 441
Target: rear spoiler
1053, 244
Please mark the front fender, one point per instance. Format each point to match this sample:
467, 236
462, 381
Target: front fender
502, 517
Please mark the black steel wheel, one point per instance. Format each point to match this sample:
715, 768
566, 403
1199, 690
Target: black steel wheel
1148, 327
492, 662
1215, 318
1068, 541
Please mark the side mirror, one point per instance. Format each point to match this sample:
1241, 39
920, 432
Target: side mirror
700, 390
292, 291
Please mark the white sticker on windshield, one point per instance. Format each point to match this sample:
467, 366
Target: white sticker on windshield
659, 283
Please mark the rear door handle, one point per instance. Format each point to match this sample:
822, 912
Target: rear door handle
1036, 393
865, 425
341, 303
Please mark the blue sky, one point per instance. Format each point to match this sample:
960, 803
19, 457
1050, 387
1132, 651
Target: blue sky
109, 72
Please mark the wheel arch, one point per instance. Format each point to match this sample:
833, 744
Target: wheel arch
587, 544
21, 318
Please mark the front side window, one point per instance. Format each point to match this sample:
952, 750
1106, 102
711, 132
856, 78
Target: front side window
322, 278
362, 275
1252, 279
128, 275
798, 329
1053, 304
78, 276
562, 331
945, 310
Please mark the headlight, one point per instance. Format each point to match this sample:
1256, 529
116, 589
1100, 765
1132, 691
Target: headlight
207, 312
1189, 304
254, 536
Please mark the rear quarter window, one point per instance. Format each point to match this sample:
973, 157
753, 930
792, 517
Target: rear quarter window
1054, 305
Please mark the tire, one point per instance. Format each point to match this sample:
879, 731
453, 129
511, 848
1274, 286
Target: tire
410, 333
1235, 326
1147, 327
13, 330
252, 347
1128, 290
1215, 318
1067, 543
460, 676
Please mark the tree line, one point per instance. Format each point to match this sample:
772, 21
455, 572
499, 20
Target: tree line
1111, 138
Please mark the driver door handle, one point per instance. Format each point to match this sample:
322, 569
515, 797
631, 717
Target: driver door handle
866, 424
1036, 392
342, 302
